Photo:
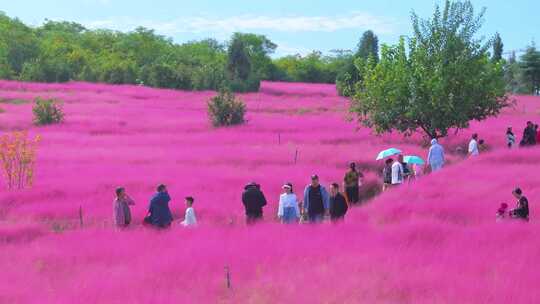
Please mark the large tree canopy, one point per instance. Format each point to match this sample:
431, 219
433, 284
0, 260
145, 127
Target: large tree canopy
441, 80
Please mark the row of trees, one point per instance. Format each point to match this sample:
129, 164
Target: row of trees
63, 51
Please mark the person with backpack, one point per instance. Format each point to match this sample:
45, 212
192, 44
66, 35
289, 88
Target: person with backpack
387, 174
316, 200
254, 201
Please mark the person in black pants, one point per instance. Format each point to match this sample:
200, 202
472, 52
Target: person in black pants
254, 201
338, 204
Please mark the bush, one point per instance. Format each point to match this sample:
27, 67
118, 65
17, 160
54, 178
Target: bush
47, 111
225, 110
18, 156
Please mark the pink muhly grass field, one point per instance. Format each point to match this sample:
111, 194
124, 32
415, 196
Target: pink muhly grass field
434, 240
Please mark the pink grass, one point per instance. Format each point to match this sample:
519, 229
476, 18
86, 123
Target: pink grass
432, 241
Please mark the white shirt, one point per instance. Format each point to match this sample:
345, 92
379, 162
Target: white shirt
473, 147
190, 218
288, 201
397, 173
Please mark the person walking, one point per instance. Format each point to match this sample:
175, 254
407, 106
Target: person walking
397, 171
352, 182
387, 174
473, 145
190, 220
316, 200
159, 215
338, 204
254, 201
522, 209
435, 156
288, 210
510, 138
122, 214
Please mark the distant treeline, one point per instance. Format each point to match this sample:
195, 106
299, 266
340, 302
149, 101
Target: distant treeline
64, 51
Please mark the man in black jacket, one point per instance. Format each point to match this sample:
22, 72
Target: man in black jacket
253, 200
338, 204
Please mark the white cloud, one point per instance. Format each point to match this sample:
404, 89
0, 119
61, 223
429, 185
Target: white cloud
206, 24
284, 49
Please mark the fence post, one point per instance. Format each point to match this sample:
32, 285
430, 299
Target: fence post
295, 156
279, 138
228, 277
80, 216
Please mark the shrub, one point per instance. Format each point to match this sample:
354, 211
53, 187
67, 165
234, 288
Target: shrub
47, 111
17, 156
225, 110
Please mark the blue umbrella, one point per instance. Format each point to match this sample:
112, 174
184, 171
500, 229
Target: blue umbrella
411, 159
387, 153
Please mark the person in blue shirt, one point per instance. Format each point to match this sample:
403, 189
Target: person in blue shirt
316, 200
159, 214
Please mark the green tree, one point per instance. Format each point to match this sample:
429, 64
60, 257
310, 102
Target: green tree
260, 48
442, 81
240, 73
497, 48
368, 46
512, 75
530, 69
20, 43
349, 75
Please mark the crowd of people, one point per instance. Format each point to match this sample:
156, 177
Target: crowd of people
317, 203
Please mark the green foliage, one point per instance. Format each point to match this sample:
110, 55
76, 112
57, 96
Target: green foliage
368, 46
47, 111
349, 75
240, 73
513, 76
259, 49
530, 69
225, 110
498, 47
313, 67
443, 80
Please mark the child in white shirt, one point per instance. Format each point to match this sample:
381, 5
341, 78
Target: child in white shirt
190, 219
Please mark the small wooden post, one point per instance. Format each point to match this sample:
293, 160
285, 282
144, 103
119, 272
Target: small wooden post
228, 277
295, 156
80, 216
279, 138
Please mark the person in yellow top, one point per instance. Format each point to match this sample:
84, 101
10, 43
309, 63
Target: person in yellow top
352, 181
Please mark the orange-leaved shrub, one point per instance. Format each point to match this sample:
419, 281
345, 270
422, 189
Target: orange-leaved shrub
18, 157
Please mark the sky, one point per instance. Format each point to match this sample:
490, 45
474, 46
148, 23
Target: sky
296, 26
